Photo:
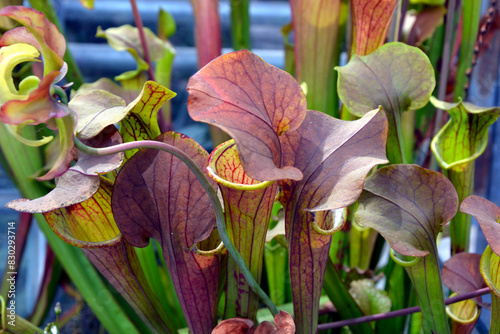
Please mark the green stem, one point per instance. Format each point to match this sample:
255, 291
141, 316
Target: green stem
240, 24
340, 297
396, 154
443, 75
212, 194
362, 242
463, 180
470, 28
495, 311
74, 75
426, 279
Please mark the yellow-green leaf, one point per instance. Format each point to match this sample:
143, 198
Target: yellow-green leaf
141, 122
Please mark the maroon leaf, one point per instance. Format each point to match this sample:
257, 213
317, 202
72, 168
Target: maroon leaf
92, 164
283, 325
487, 215
64, 194
254, 103
425, 24
90, 226
234, 325
334, 157
461, 273
408, 204
157, 196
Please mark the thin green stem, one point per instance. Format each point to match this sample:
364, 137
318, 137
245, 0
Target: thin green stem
61, 94
399, 313
495, 311
212, 194
443, 75
470, 27
463, 181
240, 24
396, 22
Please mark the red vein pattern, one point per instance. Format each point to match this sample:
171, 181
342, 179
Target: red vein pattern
254, 103
90, 226
371, 19
157, 196
334, 157
247, 214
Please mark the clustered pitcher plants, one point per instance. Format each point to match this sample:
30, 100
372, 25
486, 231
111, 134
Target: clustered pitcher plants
309, 177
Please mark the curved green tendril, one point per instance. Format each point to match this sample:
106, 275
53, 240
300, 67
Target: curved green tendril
402, 262
61, 94
212, 194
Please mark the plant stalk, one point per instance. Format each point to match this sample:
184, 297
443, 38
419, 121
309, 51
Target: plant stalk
443, 75
471, 16
495, 310
463, 180
346, 305
426, 279
403, 312
240, 24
